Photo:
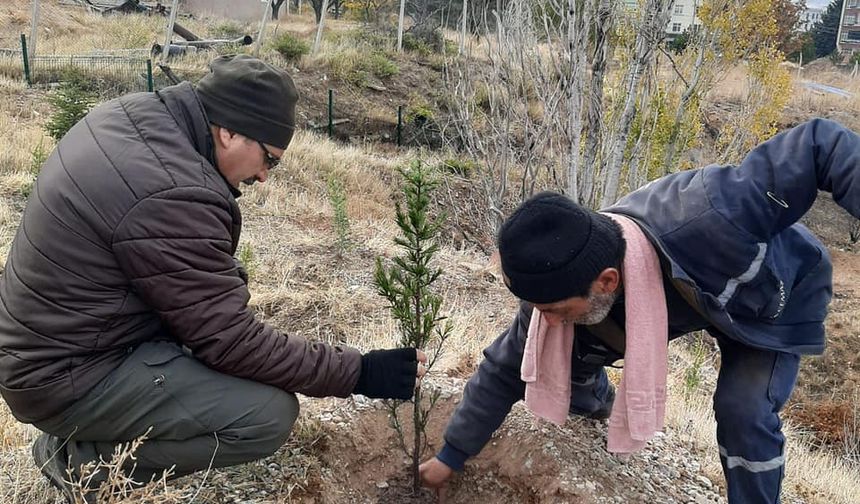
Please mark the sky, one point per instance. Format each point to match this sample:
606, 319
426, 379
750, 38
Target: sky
818, 4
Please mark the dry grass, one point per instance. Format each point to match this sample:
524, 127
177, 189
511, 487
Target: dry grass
22, 133
301, 286
811, 476
307, 290
804, 103
20, 480
732, 87
809, 103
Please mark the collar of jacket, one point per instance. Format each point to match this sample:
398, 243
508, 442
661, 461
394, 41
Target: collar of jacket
187, 110
679, 278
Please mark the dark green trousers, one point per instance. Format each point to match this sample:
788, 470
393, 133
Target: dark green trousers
196, 414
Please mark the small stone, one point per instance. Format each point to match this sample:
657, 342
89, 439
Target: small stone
382, 485
705, 482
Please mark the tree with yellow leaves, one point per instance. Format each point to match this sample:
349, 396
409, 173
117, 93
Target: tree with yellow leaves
747, 32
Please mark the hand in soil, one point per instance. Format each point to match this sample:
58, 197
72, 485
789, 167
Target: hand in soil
435, 474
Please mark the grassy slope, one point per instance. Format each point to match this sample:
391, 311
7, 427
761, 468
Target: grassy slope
301, 285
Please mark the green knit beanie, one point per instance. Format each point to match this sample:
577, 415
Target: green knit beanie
250, 97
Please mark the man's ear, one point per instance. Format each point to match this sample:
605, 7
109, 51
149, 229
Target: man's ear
607, 281
222, 136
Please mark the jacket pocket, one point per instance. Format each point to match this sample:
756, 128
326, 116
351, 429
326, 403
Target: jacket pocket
157, 358
763, 297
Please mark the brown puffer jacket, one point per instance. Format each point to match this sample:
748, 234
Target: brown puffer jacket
129, 236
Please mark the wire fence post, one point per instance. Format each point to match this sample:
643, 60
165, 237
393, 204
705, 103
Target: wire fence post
169, 30
399, 125
331, 113
150, 85
34, 27
266, 10
320, 27
26, 60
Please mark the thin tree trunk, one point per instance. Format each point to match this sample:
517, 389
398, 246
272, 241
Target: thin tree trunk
262, 28
577, 36
276, 9
320, 26
416, 440
463, 28
34, 29
692, 86
604, 19
400, 26
637, 170
655, 15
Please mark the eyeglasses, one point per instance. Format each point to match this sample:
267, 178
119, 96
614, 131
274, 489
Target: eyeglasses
270, 158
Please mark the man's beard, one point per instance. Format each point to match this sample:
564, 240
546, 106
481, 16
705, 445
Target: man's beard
600, 306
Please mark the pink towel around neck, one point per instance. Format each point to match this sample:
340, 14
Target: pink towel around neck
640, 404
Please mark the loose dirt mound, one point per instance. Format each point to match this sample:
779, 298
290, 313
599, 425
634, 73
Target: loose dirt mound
525, 462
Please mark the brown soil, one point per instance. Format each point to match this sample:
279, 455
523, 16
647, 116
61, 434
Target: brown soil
524, 462
368, 463
372, 113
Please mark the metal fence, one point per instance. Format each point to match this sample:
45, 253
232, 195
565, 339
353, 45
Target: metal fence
11, 63
111, 72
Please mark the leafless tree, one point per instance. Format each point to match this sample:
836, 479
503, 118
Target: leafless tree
650, 33
276, 8
702, 43
604, 21
578, 20
508, 113
537, 115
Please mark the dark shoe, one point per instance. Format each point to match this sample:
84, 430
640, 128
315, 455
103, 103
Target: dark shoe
602, 412
51, 458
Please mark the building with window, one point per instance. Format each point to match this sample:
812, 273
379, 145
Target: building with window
808, 18
683, 17
848, 36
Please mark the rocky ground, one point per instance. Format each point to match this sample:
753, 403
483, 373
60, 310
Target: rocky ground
526, 461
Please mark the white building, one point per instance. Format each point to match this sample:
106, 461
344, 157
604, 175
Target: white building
808, 18
683, 16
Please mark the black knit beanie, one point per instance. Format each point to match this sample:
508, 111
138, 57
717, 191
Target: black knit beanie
250, 97
553, 249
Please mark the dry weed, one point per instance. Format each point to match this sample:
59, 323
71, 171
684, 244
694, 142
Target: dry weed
815, 476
